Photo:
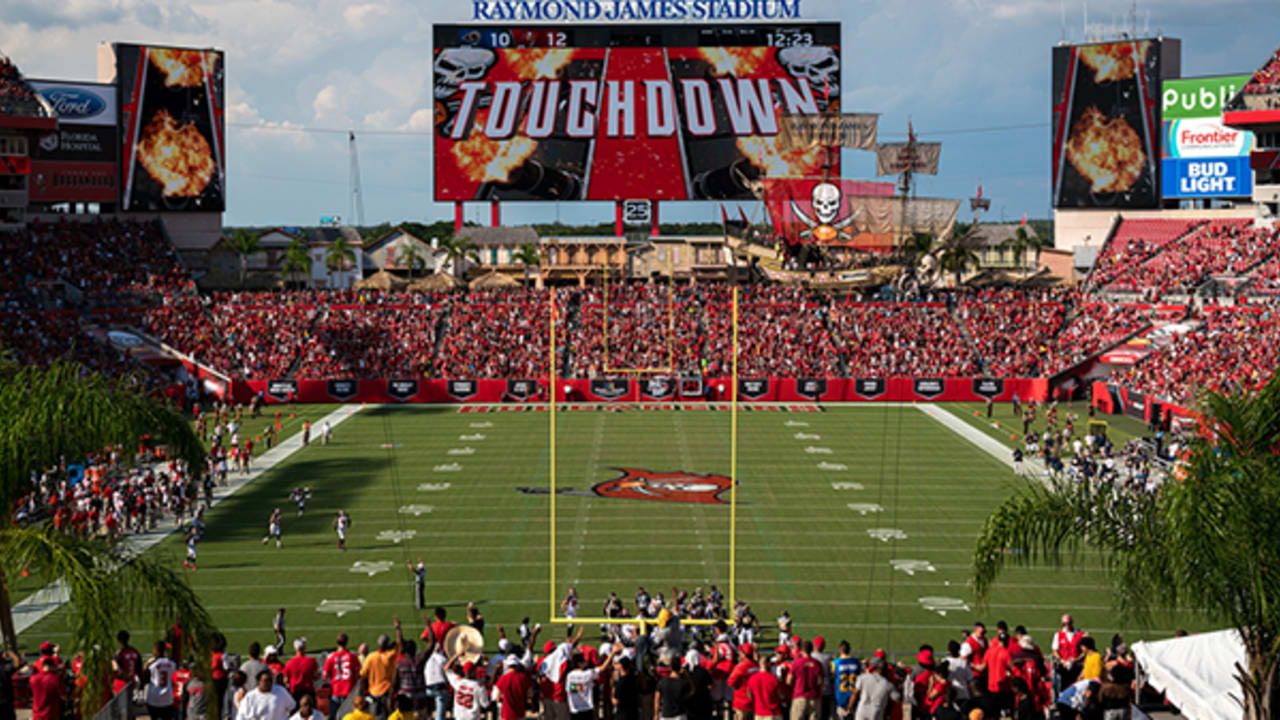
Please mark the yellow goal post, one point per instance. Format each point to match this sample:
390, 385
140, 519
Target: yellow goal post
552, 402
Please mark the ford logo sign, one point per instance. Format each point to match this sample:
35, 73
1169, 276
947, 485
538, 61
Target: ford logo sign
73, 104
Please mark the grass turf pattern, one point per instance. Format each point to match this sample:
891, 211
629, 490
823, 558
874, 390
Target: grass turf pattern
801, 546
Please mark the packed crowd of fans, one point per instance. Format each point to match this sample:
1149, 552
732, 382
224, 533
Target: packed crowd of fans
386, 341
1226, 247
1133, 243
16, 96
105, 263
1013, 338
1267, 80
890, 340
1231, 349
737, 667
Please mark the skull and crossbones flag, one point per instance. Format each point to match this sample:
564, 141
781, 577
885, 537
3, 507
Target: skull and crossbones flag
814, 210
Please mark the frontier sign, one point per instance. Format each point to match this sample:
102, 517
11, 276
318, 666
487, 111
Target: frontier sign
562, 10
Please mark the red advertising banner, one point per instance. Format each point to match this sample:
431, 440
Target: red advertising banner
516, 391
616, 123
60, 181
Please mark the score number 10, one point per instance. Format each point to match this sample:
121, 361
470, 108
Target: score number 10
527, 38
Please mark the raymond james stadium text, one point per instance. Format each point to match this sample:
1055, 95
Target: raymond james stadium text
635, 9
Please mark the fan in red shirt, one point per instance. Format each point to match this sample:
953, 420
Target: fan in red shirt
340, 668
999, 661
300, 672
738, 678
125, 663
438, 629
806, 680
766, 692
514, 686
47, 691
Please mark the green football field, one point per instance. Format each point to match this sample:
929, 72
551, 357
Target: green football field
859, 520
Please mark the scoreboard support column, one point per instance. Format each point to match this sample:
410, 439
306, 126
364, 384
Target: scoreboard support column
617, 218
457, 216
653, 219
495, 213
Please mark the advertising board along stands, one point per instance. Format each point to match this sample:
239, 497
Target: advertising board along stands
691, 390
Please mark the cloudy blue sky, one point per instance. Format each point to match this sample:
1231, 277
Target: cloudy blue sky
957, 67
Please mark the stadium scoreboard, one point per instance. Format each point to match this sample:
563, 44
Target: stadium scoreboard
603, 36
586, 112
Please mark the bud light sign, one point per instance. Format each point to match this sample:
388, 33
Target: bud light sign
1222, 177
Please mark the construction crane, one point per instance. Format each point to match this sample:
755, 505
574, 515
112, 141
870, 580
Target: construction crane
357, 195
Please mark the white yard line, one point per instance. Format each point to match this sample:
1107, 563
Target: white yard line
44, 601
983, 441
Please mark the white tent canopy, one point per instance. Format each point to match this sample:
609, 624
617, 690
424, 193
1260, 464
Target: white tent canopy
1196, 673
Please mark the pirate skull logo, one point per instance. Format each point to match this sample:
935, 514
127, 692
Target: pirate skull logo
826, 224
455, 66
819, 65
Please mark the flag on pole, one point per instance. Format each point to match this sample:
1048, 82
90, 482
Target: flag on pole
979, 189
826, 87
1024, 219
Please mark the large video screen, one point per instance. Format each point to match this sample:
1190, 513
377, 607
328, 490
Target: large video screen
1106, 125
173, 148
608, 113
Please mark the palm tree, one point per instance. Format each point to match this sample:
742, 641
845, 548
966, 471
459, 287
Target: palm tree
56, 414
244, 243
956, 256
412, 257
296, 259
1020, 243
339, 256
528, 256
457, 250
1205, 544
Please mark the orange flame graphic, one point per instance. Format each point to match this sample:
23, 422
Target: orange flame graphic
485, 160
537, 64
1115, 61
181, 68
177, 156
738, 62
1107, 152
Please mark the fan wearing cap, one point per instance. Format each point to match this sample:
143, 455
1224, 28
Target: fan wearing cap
379, 671
513, 688
552, 672
47, 688
738, 677
470, 696
581, 681
928, 686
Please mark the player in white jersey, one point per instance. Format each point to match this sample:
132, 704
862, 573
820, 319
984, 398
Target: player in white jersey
193, 538
570, 604
273, 528
340, 524
470, 697
300, 495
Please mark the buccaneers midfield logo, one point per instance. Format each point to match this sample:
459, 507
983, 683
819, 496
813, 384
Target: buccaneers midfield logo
640, 484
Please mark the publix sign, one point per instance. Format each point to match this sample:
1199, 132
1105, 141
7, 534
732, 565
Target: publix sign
1202, 158
1199, 97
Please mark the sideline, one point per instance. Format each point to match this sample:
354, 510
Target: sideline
49, 598
1033, 467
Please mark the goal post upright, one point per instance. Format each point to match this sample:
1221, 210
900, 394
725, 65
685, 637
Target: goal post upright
551, 415
733, 462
